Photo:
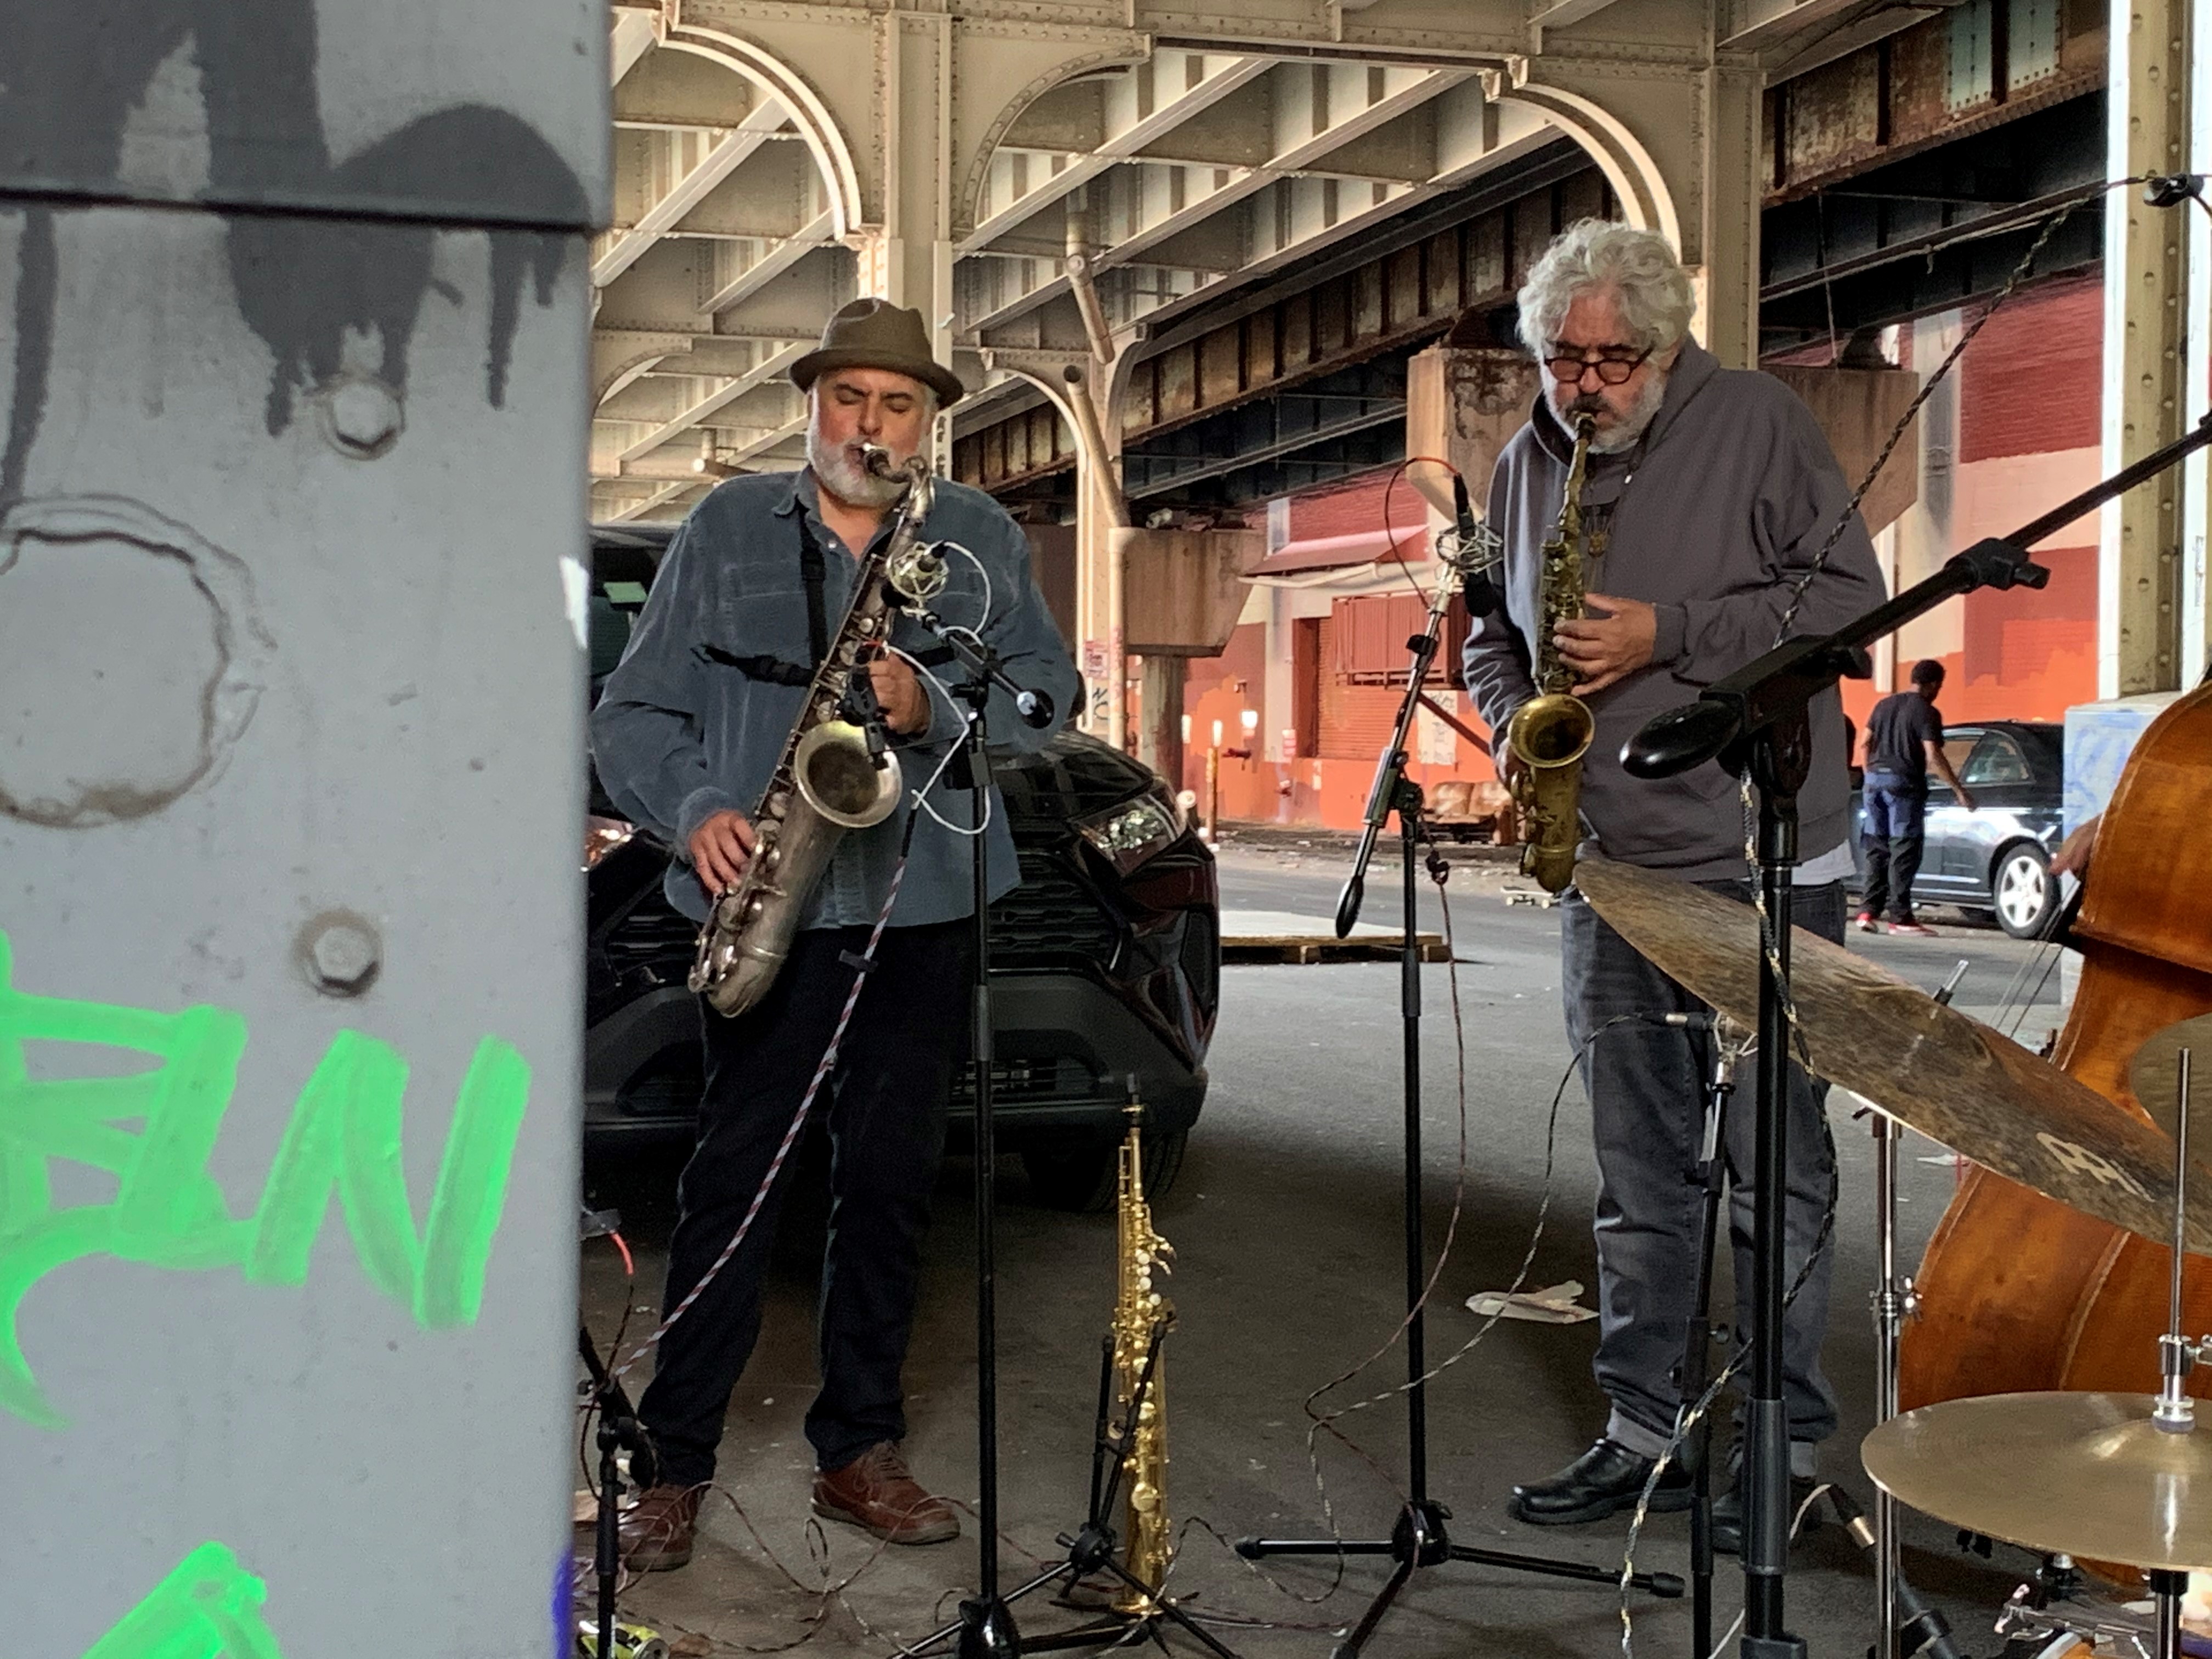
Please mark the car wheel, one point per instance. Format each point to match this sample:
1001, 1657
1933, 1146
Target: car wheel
1082, 1175
2022, 891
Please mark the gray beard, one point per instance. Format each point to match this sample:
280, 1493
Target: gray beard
836, 470
1641, 413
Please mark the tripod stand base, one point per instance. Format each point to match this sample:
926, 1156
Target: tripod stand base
986, 1629
1419, 1540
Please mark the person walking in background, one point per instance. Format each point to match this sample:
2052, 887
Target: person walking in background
1904, 742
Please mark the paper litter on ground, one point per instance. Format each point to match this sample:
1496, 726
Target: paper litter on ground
1554, 1306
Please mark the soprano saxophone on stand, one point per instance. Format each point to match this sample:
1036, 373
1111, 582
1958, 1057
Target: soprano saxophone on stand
1550, 733
833, 774
1140, 1311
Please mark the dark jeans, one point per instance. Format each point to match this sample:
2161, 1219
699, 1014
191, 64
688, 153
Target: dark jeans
1646, 1084
885, 1107
1896, 836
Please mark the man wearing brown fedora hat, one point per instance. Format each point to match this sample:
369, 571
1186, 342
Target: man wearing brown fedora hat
686, 735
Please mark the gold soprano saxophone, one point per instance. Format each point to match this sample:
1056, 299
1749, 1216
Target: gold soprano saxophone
1550, 733
831, 777
1139, 1310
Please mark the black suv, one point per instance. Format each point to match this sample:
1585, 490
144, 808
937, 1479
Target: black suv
1105, 961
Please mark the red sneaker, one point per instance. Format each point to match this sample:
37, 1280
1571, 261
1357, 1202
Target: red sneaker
1865, 923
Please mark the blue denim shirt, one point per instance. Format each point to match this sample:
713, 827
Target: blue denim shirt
677, 737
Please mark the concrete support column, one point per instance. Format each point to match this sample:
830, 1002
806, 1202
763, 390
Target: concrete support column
908, 257
1728, 211
2139, 609
1159, 735
1101, 510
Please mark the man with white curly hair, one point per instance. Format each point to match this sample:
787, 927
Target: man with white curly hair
1710, 495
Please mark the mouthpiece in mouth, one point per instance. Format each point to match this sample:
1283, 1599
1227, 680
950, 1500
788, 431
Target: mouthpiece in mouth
876, 459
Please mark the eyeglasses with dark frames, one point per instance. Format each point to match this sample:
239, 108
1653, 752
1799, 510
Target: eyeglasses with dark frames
1613, 369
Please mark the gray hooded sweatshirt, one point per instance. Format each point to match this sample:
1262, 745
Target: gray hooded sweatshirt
1714, 518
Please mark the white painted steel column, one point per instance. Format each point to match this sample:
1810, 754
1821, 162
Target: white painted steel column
2196, 472
2147, 283
292, 603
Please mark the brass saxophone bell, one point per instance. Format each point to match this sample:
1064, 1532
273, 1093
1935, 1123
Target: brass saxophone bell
1552, 730
840, 780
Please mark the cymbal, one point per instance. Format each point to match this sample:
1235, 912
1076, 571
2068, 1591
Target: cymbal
2089, 1475
2152, 1072
1930, 1066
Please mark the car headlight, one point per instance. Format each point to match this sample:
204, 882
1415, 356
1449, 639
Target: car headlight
1129, 834
602, 835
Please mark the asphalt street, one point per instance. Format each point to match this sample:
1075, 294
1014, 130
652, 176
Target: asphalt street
1289, 1291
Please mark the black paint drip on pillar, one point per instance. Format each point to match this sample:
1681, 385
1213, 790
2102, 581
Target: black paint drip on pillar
75, 74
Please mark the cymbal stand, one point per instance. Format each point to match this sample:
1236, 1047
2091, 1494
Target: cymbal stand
2175, 1413
1894, 1303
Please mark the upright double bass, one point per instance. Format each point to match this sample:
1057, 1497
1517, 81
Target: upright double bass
2018, 1291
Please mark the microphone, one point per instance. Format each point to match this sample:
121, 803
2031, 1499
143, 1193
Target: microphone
1035, 708
1474, 554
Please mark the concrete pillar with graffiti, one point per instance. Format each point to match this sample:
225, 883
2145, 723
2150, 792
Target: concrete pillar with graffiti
291, 699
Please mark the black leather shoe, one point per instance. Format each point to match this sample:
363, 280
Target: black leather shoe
1604, 1481
1728, 1515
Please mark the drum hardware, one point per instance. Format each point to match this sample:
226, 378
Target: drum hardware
2082, 1629
2110, 1476
1894, 1303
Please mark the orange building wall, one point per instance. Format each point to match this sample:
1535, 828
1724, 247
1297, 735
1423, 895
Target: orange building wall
1307, 790
2030, 421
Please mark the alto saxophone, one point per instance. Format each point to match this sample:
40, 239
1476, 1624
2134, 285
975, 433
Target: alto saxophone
1141, 1315
834, 775
1550, 733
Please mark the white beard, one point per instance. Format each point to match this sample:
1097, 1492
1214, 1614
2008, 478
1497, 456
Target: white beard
1640, 416
839, 471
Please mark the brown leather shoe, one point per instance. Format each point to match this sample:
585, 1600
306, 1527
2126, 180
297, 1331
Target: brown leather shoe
656, 1527
875, 1491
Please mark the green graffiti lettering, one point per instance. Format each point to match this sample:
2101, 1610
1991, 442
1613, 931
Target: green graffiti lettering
344, 1137
208, 1607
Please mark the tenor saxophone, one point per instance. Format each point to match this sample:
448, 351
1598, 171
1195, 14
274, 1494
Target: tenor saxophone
830, 777
1141, 1311
1550, 733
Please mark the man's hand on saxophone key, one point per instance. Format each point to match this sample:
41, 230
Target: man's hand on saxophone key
1609, 645
720, 849
899, 693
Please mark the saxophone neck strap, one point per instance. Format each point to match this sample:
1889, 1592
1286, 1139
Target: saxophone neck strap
812, 573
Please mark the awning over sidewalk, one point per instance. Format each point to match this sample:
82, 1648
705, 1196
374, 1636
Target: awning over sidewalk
1362, 547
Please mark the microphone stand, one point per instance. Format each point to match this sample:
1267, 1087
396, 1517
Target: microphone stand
1757, 723
619, 1430
1418, 1539
1710, 1179
986, 1630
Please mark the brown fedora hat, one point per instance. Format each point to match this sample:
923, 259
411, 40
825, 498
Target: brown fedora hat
877, 334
